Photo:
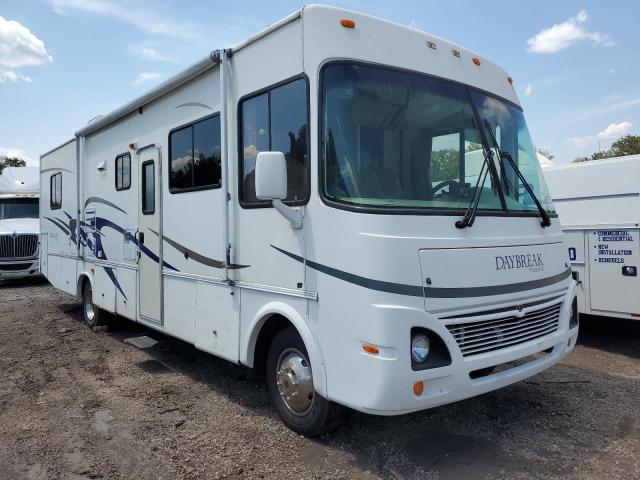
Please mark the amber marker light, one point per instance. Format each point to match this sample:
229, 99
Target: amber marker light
510, 80
346, 23
367, 347
476, 60
418, 388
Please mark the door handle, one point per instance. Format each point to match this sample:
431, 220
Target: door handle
140, 238
629, 271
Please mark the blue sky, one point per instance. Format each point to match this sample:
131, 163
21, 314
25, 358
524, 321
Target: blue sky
575, 63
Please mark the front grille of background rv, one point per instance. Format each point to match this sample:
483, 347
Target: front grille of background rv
18, 246
476, 337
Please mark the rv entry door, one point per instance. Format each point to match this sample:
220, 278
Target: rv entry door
149, 245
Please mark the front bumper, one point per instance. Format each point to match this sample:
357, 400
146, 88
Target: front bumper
389, 379
16, 269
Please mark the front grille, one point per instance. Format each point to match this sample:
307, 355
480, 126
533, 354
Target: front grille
483, 336
23, 245
14, 267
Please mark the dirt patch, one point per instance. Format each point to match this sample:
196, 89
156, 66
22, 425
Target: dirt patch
78, 404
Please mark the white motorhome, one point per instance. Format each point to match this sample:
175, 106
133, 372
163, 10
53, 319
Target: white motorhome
332, 200
19, 224
599, 205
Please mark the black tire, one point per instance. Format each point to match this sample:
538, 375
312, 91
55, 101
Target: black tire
92, 315
323, 415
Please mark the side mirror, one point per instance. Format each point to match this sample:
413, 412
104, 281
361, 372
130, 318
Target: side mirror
271, 184
271, 176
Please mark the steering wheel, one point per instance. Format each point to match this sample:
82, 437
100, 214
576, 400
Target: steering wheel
453, 183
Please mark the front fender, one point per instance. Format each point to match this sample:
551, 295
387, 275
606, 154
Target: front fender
248, 347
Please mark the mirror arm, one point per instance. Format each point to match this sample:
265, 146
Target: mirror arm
294, 215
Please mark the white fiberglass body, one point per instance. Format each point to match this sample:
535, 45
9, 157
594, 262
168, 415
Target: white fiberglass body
599, 205
19, 224
383, 133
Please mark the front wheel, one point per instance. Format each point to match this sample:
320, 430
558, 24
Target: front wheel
290, 382
91, 313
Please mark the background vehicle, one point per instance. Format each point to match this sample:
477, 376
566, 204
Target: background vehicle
19, 224
330, 199
599, 205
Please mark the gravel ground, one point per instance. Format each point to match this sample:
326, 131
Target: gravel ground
77, 404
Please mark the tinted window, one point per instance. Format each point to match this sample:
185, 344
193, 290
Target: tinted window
123, 172
255, 139
148, 188
276, 121
195, 156
289, 134
18, 208
55, 191
206, 152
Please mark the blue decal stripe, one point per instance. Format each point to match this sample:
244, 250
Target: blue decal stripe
103, 201
430, 292
114, 279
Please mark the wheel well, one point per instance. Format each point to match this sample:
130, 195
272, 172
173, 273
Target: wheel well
82, 280
274, 324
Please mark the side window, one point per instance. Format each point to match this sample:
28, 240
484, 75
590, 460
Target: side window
275, 120
55, 191
123, 172
148, 188
195, 156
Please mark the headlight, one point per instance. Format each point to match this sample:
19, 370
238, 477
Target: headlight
420, 346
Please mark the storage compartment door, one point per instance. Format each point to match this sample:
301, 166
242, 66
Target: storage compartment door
613, 270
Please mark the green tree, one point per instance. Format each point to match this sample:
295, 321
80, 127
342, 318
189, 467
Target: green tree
547, 153
627, 145
11, 162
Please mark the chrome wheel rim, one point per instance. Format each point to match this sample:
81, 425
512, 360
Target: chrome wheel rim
89, 309
295, 381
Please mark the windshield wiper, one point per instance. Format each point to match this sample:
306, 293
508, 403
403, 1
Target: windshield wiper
470, 214
503, 155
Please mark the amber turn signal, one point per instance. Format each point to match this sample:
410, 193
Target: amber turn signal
346, 23
418, 388
367, 347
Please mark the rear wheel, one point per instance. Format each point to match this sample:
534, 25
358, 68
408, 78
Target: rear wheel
91, 313
290, 381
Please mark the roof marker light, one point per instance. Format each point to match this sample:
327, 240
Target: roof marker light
346, 23
476, 60
510, 80
456, 53
432, 45
373, 350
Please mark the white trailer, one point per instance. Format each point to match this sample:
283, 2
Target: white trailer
324, 200
19, 224
599, 206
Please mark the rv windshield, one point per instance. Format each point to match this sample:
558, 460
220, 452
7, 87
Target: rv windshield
393, 139
18, 208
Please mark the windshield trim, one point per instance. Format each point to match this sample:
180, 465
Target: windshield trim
392, 210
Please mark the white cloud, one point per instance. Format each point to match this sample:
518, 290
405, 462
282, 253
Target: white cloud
17, 152
19, 47
565, 34
140, 17
528, 90
13, 76
147, 52
612, 132
146, 77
